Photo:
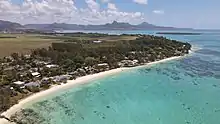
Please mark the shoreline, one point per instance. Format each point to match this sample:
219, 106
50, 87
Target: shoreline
71, 83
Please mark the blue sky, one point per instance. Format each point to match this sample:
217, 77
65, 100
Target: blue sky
177, 13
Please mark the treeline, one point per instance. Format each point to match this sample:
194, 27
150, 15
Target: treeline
75, 54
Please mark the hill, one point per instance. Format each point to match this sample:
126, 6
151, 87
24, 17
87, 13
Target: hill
7, 25
109, 26
16, 27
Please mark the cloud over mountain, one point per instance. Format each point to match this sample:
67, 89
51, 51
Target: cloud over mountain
64, 11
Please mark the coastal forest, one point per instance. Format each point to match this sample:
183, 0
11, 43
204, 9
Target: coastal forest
78, 54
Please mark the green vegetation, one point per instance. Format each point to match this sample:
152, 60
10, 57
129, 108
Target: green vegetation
25, 43
80, 54
145, 49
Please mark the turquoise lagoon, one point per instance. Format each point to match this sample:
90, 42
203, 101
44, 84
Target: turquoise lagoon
185, 91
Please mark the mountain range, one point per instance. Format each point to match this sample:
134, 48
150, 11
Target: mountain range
109, 26
6, 25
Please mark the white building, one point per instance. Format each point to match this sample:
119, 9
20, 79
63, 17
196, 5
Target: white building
19, 83
51, 66
61, 78
128, 63
35, 74
103, 64
97, 41
135, 61
33, 84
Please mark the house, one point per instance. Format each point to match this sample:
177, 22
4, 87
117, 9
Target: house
33, 70
89, 70
135, 61
5, 64
102, 67
22, 87
132, 52
40, 63
103, 64
35, 74
97, 41
19, 83
46, 80
81, 71
128, 63
61, 78
32, 84
52, 66
27, 56
10, 58
75, 73
58, 34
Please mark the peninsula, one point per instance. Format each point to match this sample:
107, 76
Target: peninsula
79, 54
180, 33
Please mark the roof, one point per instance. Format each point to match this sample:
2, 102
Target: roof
103, 64
51, 66
45, 78
19, 82
136, 61
32, 84
35, 73
62, 77
98, 41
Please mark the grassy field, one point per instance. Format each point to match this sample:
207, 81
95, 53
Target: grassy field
84, 37
24, 43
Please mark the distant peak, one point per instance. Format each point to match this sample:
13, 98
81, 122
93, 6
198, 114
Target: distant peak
144, 23
118, 23
55, 23
114, 22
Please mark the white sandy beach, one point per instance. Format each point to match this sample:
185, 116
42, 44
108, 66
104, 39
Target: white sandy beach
4, 121
70, 84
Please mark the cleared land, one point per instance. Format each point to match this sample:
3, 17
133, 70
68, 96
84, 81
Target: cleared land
24, 43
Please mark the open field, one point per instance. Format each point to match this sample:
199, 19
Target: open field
24, 43
115, 38
88, 37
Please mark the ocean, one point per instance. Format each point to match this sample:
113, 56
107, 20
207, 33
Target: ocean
185, 91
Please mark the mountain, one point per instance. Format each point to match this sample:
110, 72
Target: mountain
11, 26
36, 26
7, 25
109, 26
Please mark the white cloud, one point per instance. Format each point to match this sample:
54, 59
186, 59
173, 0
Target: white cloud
105, 1
140, 1
64, 11
30, 10
158, 11
112, 6
93, 5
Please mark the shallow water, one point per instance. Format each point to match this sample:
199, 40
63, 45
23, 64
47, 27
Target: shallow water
183, 91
